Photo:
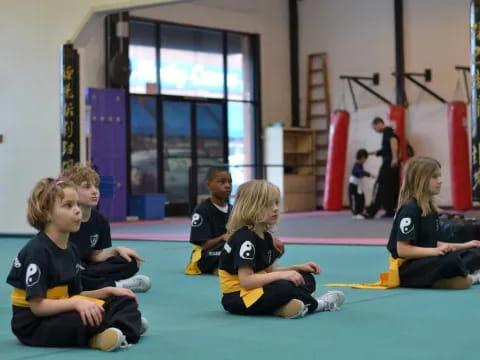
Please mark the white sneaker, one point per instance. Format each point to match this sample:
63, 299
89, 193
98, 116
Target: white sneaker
475, 277
144, 327
331, 301
137, 283
358, 217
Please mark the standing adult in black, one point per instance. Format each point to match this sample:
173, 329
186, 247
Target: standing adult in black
387, 186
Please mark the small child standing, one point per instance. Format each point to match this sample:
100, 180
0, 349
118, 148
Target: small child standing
249, 280
49, 306
355, 186
101, 266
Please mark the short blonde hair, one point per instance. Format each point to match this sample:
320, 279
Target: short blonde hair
416, 183
42, 199
79, 173
252, 199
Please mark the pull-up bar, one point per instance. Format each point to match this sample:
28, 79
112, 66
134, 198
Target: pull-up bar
356, 79
427, 75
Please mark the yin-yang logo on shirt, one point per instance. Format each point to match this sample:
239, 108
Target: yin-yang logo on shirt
247, 251
197, 220
32, 276
406, 225
94, 240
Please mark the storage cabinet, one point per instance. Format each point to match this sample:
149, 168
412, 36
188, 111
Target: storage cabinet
299, 172
290, 159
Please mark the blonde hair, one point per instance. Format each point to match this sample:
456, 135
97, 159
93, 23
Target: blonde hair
252, 200
42, 199
79, 173
416, 183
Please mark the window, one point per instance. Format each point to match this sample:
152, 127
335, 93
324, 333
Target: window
191, 62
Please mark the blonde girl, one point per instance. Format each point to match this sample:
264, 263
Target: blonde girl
417, 234
250, 282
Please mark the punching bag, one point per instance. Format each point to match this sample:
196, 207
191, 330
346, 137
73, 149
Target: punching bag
336, 158
459, 156
396, 114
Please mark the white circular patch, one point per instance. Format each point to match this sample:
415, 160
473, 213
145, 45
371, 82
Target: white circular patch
406, 225
197, 219
32, 275
247, 251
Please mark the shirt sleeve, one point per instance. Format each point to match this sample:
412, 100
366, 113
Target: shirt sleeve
244, 252
105, 237
200, 230
407, 222
34, 272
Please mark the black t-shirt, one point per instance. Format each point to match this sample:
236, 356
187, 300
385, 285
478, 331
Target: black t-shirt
93, 235
42, 265
386, 151
208, 222
410, 225
247, 249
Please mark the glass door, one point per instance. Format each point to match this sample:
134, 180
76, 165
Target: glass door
193, 140
177, 154
210, 142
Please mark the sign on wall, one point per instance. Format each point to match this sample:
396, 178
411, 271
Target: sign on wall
70, 107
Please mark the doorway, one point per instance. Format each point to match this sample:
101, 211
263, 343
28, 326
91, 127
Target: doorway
194, 138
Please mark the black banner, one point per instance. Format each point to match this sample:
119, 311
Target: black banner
70, 107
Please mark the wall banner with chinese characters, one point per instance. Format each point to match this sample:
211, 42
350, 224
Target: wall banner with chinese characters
70, 106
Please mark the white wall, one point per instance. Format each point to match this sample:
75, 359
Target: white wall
358, 36
269, 18
31, 35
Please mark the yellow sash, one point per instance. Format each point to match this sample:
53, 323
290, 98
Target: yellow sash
388, 280
230, 283
18, 296
192, 266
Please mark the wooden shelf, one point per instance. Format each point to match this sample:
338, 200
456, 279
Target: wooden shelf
299, 156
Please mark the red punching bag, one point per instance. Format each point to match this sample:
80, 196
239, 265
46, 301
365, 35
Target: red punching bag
459, 156
396, 114
337, 151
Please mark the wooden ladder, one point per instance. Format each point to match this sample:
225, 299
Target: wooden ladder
318, 115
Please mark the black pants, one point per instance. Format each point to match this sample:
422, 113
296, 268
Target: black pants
103, 274
385, 190
67, 329
275, 294
424, 272
210, 258
357, 201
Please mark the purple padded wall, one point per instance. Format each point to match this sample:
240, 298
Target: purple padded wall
109, 146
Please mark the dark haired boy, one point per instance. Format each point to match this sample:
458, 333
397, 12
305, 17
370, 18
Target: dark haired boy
355, 186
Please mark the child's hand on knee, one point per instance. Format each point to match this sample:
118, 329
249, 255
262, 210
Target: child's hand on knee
119, 291
90, 312
129, 254
293, 276
310, 267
